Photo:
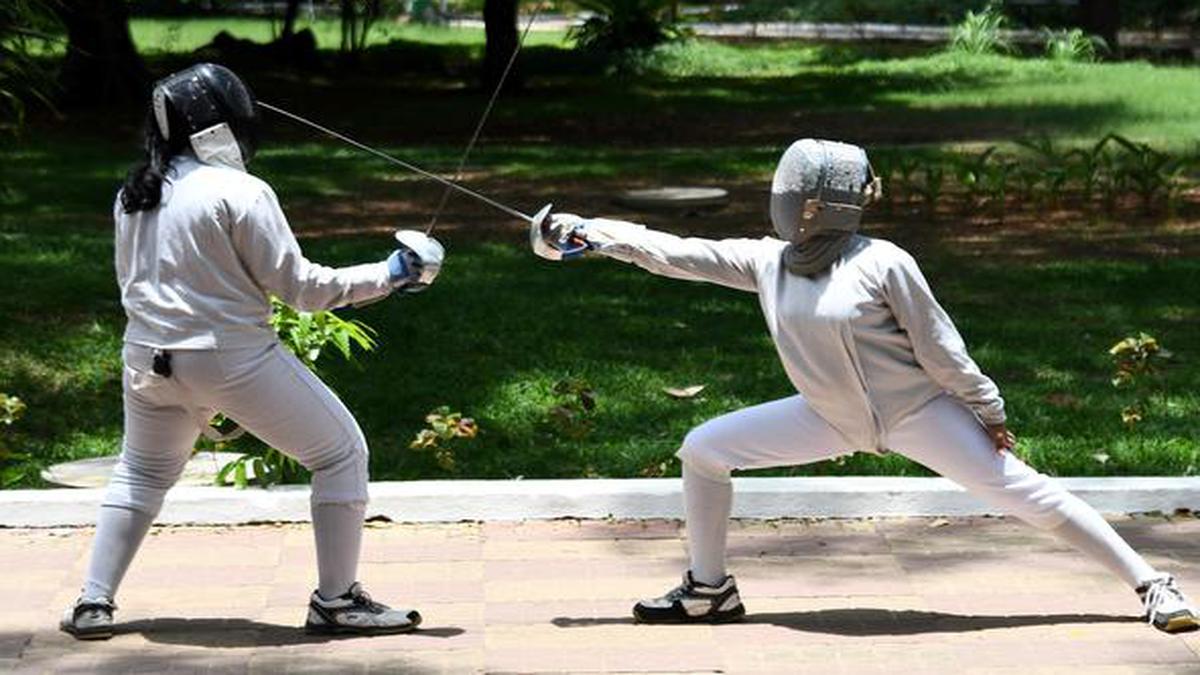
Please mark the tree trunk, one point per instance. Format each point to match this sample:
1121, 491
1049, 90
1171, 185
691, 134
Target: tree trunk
289, 18
1103, 18
102, 65
500, 26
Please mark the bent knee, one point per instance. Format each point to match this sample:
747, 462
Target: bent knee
702, 453
342, 474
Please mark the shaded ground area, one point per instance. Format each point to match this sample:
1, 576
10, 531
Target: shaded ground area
981, 596
1039, 292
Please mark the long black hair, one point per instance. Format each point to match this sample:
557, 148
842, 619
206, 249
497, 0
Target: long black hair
142, 189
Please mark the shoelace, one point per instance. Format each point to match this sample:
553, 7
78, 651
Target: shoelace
1159, 592
677, 593
362, 598
93, 607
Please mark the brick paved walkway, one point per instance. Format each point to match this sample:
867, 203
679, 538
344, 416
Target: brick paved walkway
888, 596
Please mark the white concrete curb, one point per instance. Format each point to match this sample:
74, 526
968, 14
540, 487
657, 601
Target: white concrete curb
448, 501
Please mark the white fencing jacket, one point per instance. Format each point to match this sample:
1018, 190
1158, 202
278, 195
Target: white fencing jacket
866, 343
195, 273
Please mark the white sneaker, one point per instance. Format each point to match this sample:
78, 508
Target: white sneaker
693, 602
355, 612
1167, 609
89, 619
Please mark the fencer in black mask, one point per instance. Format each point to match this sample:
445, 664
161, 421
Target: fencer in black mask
201, 246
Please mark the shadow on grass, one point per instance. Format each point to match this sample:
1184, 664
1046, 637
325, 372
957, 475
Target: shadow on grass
234, 633
869, 621
501, 328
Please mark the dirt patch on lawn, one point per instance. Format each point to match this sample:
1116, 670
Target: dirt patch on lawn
1021, 232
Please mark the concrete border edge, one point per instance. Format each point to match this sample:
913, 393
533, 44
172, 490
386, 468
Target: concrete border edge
508, 500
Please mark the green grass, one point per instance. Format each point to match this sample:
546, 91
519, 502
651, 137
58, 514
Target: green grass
501, 327
498, 331
172, 36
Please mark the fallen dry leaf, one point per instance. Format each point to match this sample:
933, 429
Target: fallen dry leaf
683, 392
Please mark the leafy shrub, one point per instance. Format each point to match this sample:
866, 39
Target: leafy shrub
445, 431
1139, 361
623, 25
1155, 176
1073, 45
308, 335
1113, 173
24, 24
11, 410
570, 415
981, 33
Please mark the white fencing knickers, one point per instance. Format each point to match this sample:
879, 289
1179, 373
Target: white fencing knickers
272, 395
943, 435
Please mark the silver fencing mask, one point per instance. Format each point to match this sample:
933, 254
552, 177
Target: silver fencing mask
817, 200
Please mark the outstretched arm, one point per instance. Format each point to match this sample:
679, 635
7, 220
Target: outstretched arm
938, 346
272, 256
729, 262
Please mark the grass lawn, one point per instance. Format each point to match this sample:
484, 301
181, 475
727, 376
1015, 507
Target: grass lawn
173, 36
1039, 298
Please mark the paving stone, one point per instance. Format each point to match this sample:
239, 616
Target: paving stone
982, 596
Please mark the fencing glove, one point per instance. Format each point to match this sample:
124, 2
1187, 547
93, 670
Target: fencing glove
416, 261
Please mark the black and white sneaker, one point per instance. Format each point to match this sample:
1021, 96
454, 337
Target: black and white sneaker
89, 619
1167, 609
693, 602
354, 612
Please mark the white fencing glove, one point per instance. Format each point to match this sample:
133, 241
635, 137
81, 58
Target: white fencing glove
561, 236
416, 261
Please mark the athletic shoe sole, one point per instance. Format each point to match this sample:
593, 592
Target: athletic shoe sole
1180, 623
728, 616
335, 629
87, 634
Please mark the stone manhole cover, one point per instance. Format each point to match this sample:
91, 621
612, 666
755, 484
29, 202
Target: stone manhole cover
201, 469
675, 199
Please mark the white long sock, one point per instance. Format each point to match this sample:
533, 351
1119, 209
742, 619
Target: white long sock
1087, 531
337, 529
707, 504
119, 534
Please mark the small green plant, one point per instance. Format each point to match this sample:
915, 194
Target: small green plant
932, 187
624, 25
1083, 168
997, 175
308, 335
1153, 175
446, 430
1044, 180
1139, 362
11, 410
570, 415
981, 33
971, 173
1073, 45
272, 467
905, 170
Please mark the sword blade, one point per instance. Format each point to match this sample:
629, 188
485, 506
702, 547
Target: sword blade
487, 111
399, 162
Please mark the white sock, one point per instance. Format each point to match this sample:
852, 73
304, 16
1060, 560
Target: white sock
338, 532
707, 504
119, 534
1087, 531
